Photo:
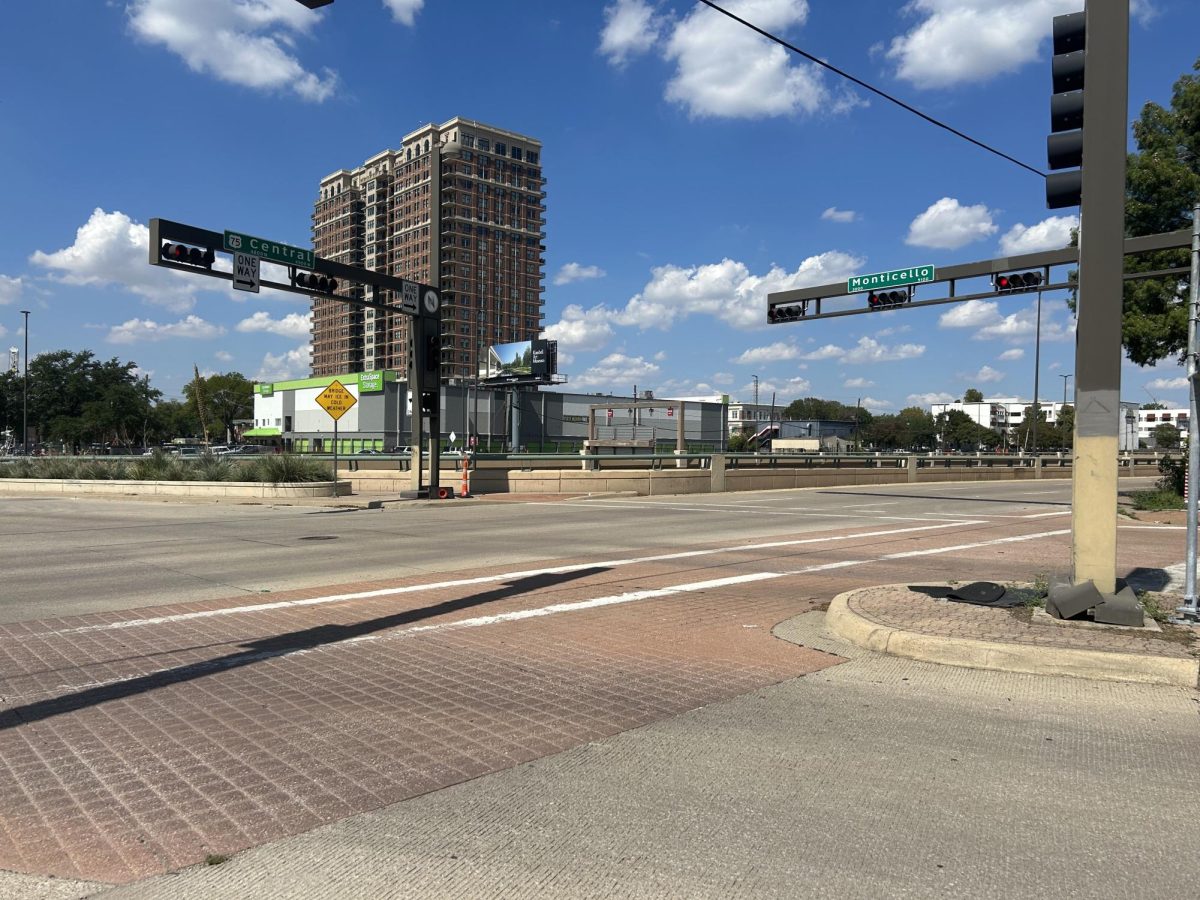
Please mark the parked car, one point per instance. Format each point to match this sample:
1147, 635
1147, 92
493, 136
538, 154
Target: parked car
245, 450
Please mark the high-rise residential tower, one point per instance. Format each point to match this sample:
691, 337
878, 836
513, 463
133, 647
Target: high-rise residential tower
459, 205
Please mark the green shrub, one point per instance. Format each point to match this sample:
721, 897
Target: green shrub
1172, 472
99, 470
214, 468
1156, 500
160, 467
284, 468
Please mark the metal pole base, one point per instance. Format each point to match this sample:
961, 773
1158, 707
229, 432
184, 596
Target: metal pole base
1188, 614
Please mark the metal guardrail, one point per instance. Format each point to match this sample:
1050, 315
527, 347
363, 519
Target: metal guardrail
658, 461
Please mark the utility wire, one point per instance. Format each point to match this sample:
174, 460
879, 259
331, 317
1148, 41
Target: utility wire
871, 88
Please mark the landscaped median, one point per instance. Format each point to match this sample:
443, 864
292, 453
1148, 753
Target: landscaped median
894, 620
276, 476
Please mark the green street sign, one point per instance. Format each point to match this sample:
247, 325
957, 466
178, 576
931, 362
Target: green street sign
272, 250
895, 278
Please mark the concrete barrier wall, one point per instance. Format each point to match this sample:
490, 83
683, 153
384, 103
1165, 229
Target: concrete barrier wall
661, 482
197, 489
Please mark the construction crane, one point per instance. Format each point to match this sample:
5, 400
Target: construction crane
198, 389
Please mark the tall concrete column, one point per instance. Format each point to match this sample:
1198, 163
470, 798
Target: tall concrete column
1101, 264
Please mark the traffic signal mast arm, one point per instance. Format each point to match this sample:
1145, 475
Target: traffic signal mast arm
811, 298
165, 231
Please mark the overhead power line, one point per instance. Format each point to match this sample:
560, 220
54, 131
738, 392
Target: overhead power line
874, 90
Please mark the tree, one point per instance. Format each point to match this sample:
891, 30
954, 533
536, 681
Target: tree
227, 398
1049, 437
1162, 186
816, 408
1153, 406
973, 395
1066, 427
1166, 436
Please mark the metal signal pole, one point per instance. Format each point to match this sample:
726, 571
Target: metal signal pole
1190, 611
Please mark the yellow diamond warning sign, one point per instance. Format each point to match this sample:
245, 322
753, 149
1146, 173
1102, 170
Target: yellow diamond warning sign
336, 400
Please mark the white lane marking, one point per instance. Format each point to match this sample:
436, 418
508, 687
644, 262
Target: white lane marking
1156, 527
818, 513
488, 579
908, 554
555, 608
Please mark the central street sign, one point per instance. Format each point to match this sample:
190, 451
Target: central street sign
272, 250
245, 272
336, 400
895, 278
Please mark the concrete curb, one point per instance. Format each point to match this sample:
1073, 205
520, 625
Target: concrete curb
1031, 660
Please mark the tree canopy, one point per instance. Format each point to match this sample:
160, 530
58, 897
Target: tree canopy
973, 395
1162, 186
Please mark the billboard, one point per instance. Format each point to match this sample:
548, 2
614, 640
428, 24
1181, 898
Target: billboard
535, 359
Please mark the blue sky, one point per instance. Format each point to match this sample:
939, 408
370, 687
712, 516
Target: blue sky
692, 168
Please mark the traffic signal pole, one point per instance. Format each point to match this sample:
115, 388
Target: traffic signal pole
1098, 331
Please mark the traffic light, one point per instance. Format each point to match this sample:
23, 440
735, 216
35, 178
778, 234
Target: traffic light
192, 256
789, 313
311, 281
1064, 146
1017, 282
887, 299
429, 402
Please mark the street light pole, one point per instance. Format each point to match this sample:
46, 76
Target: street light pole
1064, 406
25, 391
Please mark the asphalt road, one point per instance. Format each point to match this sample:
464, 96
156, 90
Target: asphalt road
558, 698
75, 556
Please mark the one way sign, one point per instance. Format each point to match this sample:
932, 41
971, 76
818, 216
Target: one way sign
245, 272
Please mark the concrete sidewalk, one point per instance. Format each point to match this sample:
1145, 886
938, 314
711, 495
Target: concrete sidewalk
879, 777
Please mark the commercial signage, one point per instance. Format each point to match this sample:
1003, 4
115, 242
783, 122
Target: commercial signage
894, 278
370, 382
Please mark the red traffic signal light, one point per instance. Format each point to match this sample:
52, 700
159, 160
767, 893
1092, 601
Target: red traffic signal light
192, 256
319, 284
887, 299
1017, 282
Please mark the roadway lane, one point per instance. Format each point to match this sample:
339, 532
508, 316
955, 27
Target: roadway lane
135, 741
68, 557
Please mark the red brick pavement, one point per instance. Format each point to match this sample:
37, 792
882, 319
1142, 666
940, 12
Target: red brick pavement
130, 751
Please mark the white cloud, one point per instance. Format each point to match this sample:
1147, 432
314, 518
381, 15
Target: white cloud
631, 27
726, 290
573, 271
870, 404
1009, 355
960, 41
870, 350
1021, 326
293, 364
1053, 233
986, 375
858, 383
581, 330
110, 249
947, 225
724, 69
795, 386
135, 330
10, 289
777, 352
1168, 384
930, 398
293, 325
833, 214
617, 371
826, 351
722, 378
250, 44
224, 356
970, 314
404, 11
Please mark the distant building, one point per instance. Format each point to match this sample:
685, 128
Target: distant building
1150, 419
460, 206
1005, 414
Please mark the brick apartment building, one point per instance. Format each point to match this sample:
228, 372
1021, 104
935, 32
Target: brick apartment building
459, 205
